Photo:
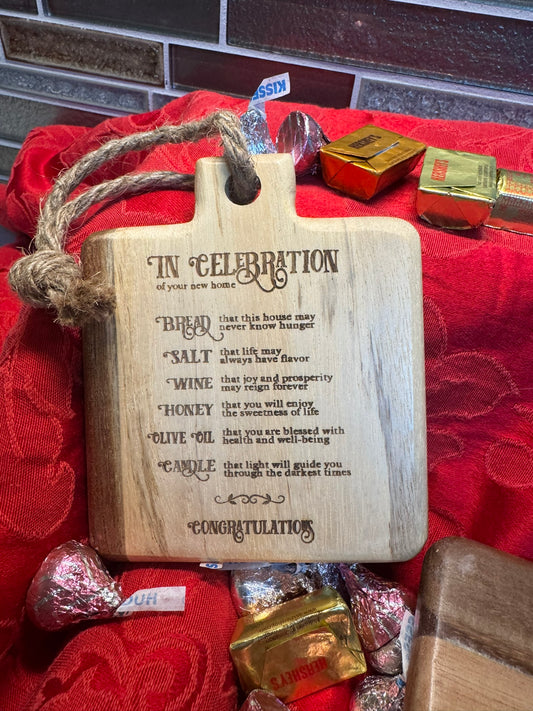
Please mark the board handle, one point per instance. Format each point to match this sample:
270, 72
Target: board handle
276, 191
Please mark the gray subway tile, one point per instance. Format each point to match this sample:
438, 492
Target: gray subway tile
19, 5
194, 68
7, 158
19, 116
160, 100
6, 236
506, 3
427, 41
432, 103
197, 19
62, 86
65, 47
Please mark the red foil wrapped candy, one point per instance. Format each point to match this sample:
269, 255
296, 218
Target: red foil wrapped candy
301, 136
70, 586
378, 608
379, 693
387, 659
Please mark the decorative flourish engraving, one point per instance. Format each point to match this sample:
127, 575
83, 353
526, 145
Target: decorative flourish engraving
277, 278
308, 535
250, 499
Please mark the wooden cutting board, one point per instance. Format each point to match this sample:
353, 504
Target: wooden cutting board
473, 648
259, 393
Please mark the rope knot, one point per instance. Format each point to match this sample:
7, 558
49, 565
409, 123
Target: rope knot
53, 279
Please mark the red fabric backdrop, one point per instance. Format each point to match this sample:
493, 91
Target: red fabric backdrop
478, 296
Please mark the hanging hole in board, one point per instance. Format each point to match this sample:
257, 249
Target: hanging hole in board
240, 199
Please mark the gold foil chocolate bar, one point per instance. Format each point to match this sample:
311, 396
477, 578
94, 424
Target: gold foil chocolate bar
365, 162
457, 190
513, 209
298, 647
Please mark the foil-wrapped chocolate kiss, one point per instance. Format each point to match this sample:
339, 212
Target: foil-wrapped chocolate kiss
301, 136
71, 585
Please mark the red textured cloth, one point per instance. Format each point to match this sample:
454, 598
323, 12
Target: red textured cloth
478, 296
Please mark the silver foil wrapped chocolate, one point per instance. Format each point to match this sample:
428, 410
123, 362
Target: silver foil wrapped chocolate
71, 585
326, 575
255, 129
262, 700
301, 136
379, 693
255, 590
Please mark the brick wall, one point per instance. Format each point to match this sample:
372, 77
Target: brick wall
79, 61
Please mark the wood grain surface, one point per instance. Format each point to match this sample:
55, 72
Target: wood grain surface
473, 648
259, 393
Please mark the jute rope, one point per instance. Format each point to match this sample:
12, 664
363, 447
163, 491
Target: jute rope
51, 278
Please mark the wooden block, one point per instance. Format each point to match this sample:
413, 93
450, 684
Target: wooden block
259, 393
473, 645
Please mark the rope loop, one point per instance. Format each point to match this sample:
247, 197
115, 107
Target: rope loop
51, 278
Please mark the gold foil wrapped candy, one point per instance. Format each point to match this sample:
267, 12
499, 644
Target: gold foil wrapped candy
457, 190
365, 162
513, 209
298, 647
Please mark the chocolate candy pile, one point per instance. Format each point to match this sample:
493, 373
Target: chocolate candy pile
286, 608
457, 190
